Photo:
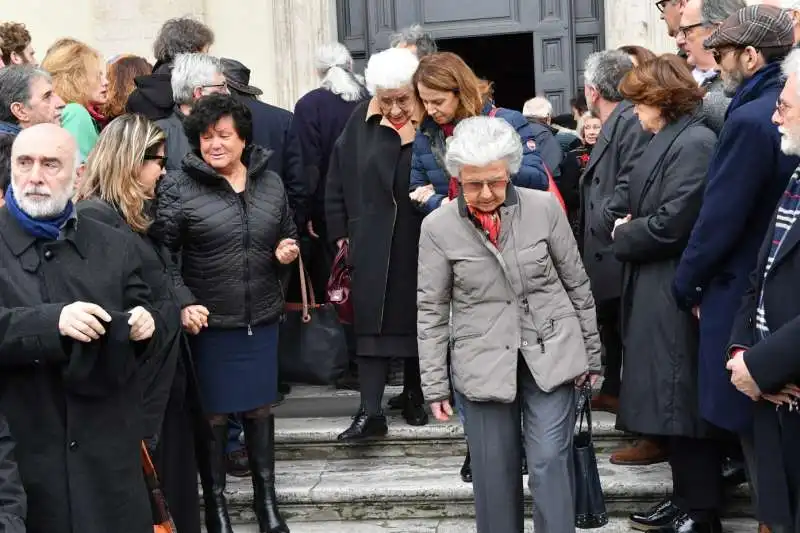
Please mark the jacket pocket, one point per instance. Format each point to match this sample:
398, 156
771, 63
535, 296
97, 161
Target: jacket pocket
536, 264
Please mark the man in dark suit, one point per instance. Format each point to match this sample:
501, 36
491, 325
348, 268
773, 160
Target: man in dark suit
619, 146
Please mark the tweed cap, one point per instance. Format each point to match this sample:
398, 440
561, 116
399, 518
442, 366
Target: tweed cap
759, 26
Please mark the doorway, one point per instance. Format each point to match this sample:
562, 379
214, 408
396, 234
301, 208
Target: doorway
506, 60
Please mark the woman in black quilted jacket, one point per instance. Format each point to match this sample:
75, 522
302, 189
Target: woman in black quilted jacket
227, 219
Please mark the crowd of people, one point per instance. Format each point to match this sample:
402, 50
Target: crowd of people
645, 242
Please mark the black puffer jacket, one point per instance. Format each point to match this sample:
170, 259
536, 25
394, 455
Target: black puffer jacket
226, 242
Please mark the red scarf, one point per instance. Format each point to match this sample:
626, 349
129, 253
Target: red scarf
490, 222
98, 117
397, 125
452, 186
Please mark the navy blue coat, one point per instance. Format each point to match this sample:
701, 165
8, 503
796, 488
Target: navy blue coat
747, 176
427, 162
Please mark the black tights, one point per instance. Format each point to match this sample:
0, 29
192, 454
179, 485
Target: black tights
372, 373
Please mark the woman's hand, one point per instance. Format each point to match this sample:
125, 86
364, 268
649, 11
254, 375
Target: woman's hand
287, 251
581, 380
142, 324
194, 318
441, 410
618, 223
422, 194
342, 242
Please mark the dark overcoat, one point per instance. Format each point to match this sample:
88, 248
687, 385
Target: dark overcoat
773, 363
746, 177
663, 195
13, 504
614, 156
73, 408
364, 205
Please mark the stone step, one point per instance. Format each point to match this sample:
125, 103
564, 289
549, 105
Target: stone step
315, 438
463, 525
391, 488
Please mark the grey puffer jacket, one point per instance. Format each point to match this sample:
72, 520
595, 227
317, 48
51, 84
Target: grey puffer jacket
531, 297
225, 242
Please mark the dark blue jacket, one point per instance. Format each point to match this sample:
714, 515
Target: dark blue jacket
746, 178
427, 163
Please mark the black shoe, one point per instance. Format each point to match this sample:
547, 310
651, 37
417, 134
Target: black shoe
686, 524
211, 465
466, 469
733, 473
524, 465
237, 464
657, 517
398, 402
259, 436
365, 427
284, 388
414, 410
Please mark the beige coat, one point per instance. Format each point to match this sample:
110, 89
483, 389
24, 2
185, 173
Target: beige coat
530, 297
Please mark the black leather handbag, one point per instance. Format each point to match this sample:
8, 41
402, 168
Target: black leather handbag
590, 504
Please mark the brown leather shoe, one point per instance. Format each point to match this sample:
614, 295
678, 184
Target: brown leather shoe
641, 452
605, 402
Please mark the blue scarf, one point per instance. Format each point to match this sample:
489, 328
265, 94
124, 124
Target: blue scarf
752, 88
8, 128
48, 228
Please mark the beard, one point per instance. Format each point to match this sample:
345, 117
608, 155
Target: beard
49, 206
790, 141
731, 81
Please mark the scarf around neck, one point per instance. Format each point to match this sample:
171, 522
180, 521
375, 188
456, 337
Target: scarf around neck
47, 228
751, 89
489, 223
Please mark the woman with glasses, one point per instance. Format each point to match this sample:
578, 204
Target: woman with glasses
118, 189
367, 204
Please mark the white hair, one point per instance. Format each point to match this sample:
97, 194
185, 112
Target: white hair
791, 4
539, 107
479, 141
391, 69
791, 65
192, 71
335, 66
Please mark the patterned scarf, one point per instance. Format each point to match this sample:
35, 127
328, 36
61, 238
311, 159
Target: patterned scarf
489, 223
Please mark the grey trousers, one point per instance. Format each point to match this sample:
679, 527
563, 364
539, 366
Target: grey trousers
548, 422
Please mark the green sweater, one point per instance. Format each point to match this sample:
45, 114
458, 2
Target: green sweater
77, 120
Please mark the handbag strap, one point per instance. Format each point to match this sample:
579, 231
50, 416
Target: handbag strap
585, 408
306, 291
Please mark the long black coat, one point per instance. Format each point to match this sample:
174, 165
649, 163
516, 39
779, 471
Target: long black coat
365, 204
73, 408
13, 505
618, 147
663, 194
774, 362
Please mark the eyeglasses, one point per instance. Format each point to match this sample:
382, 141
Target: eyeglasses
782, 107
661, 4
476, 187
223, 86
684, 31
403, 102
721, 53
162, 159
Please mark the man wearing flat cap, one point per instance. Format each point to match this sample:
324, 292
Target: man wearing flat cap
746, 178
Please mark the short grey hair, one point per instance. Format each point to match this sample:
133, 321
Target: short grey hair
479, 141
181, 35
15, 86
539, 107
192, 71
415, 35
717, 11
604, 71
391, 69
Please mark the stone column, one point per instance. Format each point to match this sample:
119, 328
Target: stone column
636, 22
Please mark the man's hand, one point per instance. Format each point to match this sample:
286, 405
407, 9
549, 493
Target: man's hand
618, 223
142, 324
79, 321
311, 232
194, 318
287, 251
789, 395
441, 410
422, 194
580, 380
741, 378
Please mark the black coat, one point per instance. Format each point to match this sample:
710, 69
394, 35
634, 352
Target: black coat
152, 96
366, 202
618, 147
73, 408
548, 146
272, 129
226, 241
13, 503
773, 363
663, 194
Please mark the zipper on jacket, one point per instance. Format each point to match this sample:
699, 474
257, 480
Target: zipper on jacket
246, 243
541, 342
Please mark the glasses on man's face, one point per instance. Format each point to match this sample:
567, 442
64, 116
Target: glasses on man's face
160, 159
782, 107
685, 31
476, 187
661, 4
219, 87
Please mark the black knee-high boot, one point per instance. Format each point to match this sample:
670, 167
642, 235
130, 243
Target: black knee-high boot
259, 438
212, 468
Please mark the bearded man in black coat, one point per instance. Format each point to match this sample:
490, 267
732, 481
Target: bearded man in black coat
74, 326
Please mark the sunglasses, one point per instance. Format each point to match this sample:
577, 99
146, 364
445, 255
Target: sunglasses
162, 159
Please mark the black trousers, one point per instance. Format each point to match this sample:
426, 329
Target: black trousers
697, 487
608, 320
372, 380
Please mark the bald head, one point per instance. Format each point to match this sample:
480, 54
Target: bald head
43, 170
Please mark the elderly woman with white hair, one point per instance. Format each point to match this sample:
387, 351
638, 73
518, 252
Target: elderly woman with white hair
367, 205
522, 331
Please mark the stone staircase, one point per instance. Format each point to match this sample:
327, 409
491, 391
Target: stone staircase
409, 482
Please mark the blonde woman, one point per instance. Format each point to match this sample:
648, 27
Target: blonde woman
117, 189
79, 78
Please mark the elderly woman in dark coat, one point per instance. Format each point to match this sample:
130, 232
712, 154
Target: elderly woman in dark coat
652, 216
367, 203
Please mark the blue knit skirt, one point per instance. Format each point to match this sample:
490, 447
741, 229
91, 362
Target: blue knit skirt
237, 372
